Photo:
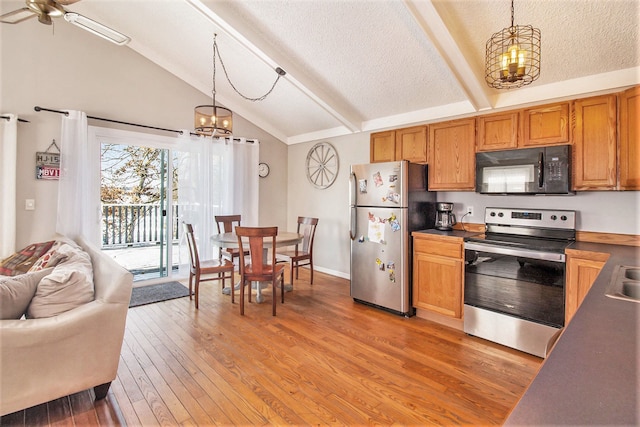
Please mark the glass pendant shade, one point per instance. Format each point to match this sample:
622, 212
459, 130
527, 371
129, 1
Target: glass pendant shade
213, 120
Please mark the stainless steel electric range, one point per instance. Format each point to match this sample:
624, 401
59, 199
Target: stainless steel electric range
514, 292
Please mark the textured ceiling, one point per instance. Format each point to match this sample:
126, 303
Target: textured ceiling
363, 65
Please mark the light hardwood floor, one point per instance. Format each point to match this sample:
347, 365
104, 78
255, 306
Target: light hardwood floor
324, 359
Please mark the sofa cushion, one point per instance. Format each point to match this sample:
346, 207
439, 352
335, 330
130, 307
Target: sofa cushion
16, 293
68, 286
21, 261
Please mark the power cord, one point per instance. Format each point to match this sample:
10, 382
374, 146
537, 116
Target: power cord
462, 223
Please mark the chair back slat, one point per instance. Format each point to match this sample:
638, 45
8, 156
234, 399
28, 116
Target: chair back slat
226, 223
256, 235
306, 227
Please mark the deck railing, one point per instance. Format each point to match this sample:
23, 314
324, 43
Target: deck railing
135, 224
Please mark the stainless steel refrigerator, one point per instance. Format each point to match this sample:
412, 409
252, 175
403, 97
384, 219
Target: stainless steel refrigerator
387, 202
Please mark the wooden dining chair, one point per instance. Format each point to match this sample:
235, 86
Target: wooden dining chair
227, 224
259, 269
302, 254
221, 269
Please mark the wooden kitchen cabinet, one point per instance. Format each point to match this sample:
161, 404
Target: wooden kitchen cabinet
545, 125
629, 126
594, 143
497, 132
382, 146
411, 144
582, 269
399, 144
438, 271
452, 158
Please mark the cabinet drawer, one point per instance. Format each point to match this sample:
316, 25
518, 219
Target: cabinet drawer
438, 247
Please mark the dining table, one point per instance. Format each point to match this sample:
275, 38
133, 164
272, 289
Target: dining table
230, 240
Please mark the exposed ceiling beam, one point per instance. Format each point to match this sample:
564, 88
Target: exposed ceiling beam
349, 119
431, 23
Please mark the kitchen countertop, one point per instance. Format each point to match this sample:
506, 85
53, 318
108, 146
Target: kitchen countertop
592, 376
450, 233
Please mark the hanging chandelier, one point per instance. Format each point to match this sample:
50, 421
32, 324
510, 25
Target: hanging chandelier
513, 56
214, 120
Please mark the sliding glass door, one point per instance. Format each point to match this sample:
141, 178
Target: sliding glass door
138, 195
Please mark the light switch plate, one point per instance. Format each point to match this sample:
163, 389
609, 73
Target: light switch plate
29, 205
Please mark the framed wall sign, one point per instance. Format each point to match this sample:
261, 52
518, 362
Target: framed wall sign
48, 163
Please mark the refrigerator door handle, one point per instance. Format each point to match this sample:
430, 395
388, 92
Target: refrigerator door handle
353, 225
352, 189
352, 206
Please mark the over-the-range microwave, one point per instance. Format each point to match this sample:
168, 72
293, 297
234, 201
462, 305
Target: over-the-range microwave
545, 170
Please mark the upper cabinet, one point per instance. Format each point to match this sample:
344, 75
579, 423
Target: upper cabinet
545, 125
594, 143
400, 144
452, 158
383, 146
603, 131
629, 122
497, 132
411, 144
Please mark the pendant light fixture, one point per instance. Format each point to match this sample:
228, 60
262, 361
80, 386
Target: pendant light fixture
213, 120
513, 56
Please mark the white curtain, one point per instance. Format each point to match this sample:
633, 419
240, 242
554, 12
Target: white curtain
79, 185
8, 158
216, 177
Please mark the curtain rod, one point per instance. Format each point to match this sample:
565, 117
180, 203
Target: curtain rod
19, 119
66, 113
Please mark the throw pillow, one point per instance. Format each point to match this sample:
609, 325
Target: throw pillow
50, 259
16, 293
21, 261
68, 286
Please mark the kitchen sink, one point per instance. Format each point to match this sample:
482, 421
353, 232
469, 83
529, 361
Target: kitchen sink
625, 283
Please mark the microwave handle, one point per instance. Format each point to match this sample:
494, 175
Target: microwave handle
540, 169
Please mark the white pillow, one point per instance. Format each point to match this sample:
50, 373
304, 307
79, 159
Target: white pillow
68, 286
16, 293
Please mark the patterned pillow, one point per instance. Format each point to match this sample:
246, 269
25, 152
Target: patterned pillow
16, 293
50, 259
21, 261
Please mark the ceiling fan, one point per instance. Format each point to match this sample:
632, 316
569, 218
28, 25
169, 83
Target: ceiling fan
47, 9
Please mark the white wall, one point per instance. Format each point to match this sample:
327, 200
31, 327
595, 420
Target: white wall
64, 67
331, 205
601, 211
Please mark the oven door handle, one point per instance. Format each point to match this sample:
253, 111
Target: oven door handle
517, 252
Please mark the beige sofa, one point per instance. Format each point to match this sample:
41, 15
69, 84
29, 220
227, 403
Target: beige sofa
47, 358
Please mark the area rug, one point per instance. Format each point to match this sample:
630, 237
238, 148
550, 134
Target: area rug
155, 293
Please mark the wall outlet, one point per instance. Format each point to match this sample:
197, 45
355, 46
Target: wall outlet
470, 210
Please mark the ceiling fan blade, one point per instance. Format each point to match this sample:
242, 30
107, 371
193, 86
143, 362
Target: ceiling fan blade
96, 28
67, 2
17, 16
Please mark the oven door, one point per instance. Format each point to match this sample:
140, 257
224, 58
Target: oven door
526, 284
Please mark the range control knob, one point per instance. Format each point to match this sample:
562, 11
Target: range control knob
492, 214
554, 217
500, 214
563, 217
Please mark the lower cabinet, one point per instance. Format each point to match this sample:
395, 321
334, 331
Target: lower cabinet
582, 269
438, 272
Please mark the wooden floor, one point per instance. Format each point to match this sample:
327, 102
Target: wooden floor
323, 360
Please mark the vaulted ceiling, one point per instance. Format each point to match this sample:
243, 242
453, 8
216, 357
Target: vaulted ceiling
364, 65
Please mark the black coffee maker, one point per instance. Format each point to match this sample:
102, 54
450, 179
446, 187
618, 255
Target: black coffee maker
445, 218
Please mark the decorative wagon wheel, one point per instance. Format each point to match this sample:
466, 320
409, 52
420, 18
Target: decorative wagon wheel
322, 165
